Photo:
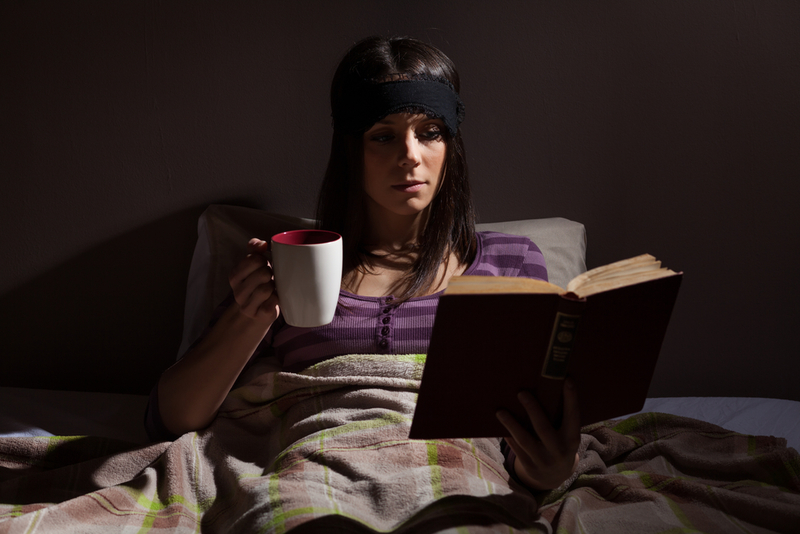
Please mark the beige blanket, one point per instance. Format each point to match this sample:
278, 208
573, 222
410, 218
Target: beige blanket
326, 450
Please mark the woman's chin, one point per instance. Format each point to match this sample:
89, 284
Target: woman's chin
408, 208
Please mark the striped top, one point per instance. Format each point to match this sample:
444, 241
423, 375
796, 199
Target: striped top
374, 325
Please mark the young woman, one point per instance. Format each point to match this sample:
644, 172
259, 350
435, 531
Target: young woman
396, 188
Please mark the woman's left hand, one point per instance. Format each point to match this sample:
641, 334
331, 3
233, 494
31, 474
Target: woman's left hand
546, 459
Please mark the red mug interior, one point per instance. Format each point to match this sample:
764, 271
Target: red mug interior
306, 237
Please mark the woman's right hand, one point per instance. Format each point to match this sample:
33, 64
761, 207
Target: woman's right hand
192, 390
253, 285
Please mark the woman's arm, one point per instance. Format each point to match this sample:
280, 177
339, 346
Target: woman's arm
192, 390
545, 460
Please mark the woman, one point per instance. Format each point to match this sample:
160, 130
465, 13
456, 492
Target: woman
396, 188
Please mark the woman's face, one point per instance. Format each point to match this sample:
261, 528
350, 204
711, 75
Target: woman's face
404, 155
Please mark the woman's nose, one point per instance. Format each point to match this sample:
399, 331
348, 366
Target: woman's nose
410, 151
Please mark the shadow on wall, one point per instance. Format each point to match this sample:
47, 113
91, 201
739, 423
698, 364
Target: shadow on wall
108, 320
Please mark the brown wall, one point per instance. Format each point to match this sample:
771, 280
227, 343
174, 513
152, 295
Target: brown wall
666, 127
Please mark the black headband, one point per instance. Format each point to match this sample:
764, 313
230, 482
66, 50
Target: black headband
369, 102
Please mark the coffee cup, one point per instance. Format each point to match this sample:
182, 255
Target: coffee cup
307, 265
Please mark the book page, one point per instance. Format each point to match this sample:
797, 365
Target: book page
638, 263
618, 274
465, 285
606, 284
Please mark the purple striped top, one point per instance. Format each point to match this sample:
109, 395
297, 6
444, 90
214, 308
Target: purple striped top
374, 325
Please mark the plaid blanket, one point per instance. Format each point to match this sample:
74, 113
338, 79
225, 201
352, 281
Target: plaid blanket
660, 473
326, 450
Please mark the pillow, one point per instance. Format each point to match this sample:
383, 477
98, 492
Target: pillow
223, 232
563, 243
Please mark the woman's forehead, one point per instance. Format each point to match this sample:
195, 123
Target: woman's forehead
407, 118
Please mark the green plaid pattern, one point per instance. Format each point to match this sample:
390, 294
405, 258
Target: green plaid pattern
326, 450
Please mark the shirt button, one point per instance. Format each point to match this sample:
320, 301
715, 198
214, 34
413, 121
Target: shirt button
386, 320
387, 310
383, 344
385, 331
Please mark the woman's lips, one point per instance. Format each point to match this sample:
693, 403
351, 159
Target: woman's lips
410, 187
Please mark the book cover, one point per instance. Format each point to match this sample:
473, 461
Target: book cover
486, 347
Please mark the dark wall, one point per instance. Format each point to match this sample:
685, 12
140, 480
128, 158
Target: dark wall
665, 127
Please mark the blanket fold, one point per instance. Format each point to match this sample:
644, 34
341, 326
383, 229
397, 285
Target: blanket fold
664, 473
327, 450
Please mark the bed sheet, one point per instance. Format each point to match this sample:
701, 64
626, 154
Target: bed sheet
40, 412
747, 415
33, 412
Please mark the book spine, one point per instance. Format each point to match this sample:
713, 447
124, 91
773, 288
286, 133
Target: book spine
562, 339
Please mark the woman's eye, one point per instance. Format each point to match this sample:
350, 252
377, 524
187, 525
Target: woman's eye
381, 138
431, 135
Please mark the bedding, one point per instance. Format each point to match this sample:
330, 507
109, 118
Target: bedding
299, 451
75, 461
36, 412
746, 415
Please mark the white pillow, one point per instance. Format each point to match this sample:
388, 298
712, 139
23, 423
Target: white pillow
563, 243
223, 232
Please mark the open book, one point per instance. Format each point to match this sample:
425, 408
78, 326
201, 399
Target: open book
494, 336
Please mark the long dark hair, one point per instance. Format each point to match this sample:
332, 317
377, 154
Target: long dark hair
342, 208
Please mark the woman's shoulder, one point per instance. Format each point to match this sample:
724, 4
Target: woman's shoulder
500, 254
500, 244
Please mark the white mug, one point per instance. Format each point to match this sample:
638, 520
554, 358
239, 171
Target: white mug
307, 265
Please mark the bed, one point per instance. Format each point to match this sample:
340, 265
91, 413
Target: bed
77, 461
